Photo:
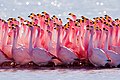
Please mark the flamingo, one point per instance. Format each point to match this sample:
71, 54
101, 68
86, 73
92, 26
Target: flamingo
73, 16
115, 57
65, 54
51, 46
19, 53
3, 57
96, 55
5, 47
39, 55
115, 48
26, 41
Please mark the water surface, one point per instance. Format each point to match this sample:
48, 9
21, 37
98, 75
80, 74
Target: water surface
60, 74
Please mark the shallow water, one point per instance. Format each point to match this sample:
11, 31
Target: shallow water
60, 74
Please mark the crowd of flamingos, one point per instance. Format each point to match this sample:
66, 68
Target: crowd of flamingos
45, 41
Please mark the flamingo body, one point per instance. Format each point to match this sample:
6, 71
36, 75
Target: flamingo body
66, 55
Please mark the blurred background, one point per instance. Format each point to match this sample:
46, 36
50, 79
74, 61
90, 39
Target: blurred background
61, 8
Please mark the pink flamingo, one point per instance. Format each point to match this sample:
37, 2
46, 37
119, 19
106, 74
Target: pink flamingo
20, 54
65, 54
51, 46
73, 16
115, 48
115, 57
39, 55
46, 15
5, 47
3, 57
96, 55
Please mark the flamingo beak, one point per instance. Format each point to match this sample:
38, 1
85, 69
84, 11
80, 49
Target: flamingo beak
39, 15
68, 19
25, 21
31, 17
19, 17
54, 16
32, 14
67, 26
82, 17
71, 14
44, 13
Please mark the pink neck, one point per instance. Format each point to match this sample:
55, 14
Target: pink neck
106, 42
90, 46
110, 40
30, 42
37, 38
14, 39
58, 41
4, 41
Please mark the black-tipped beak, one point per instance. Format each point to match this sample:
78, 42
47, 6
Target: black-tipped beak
43, 12
109, 60
69, 14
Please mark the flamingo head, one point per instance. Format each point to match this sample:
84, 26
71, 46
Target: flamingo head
82, 17
31, 17
20, 18
92, 30
105, 30
87, 27
69, 19
32, 14
38, 15
12, 27
58, 27
30, 27
79, 20
45, 13
60, 20
71, 14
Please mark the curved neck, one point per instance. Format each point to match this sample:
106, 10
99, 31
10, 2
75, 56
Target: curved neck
58, 41
17, 34
110, 40
14, 39
99, 40
90, 46
50, 40
106, 43
80, 43
86, 40
4, 39
37, 38
30, 42
65, 38
74, 37
116, 36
